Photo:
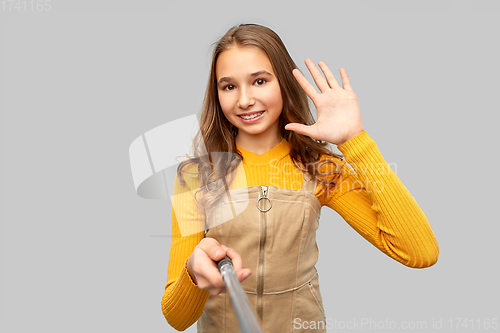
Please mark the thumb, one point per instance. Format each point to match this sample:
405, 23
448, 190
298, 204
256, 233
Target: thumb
299, 128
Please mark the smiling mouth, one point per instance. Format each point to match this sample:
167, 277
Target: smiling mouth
251, 116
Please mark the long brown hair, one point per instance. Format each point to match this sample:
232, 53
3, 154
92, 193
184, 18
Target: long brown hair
218, 134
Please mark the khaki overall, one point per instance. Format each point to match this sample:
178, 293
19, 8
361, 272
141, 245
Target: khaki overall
274, 230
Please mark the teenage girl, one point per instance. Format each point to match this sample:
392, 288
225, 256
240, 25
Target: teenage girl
265, 215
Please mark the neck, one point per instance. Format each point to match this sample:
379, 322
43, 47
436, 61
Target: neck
258, 143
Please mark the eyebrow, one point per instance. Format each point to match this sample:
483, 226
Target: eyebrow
228, 78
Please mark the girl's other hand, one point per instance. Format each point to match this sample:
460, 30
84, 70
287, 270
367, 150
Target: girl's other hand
203, 269
339, 118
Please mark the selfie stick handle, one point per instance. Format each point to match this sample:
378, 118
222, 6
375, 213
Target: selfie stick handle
246, 317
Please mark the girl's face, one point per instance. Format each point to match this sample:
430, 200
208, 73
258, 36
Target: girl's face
249, 91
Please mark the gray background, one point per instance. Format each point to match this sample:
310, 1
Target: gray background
82, 252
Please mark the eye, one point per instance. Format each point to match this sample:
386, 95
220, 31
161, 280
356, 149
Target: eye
228, 87
260, 82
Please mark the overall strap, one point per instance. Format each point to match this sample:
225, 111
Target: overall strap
309, 184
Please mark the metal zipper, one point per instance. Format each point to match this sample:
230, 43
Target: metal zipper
260, 287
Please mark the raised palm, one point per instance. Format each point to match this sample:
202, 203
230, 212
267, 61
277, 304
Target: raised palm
339, 118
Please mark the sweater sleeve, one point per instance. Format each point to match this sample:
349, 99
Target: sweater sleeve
375, 203
183, 302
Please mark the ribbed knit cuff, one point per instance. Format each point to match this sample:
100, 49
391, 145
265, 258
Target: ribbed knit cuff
189, 288
186, 302
363, 155
185, 270
359, 147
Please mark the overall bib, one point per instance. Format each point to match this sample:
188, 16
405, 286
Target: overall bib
274, 231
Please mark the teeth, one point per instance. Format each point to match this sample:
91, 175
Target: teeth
252, 115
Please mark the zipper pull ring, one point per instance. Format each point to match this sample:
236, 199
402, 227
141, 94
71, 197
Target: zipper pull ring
264, 196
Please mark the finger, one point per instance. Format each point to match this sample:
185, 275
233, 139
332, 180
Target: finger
217, 291
243, 274
235, 258
214, 279
300, 129
210, 276
316, 75
332, 82
212, 248
306, 86
346, 83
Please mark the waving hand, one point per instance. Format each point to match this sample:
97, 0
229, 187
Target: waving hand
339, 118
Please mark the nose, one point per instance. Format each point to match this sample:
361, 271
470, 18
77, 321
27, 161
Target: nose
246, 98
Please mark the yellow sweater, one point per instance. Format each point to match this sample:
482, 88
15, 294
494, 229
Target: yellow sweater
371, 199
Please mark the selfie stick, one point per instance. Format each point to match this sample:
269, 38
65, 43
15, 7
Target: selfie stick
246, 317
